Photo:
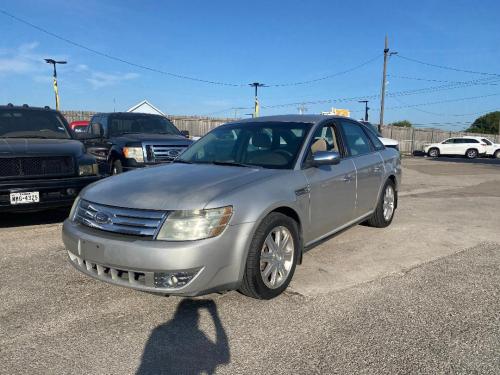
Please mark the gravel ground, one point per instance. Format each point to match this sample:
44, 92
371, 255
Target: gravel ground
422, 296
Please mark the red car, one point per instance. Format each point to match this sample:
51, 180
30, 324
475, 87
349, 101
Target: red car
79, 126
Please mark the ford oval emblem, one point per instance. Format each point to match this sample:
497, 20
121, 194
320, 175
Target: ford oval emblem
102, 218
173, 153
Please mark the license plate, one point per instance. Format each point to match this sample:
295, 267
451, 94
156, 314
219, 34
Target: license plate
23, 198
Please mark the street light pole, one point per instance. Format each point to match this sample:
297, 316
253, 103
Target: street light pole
256, 85
366, 108
56, 91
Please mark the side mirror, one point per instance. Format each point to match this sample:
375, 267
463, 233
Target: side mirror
97, 130
185, 133
325, 158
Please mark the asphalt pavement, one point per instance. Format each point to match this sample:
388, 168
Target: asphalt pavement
422, 296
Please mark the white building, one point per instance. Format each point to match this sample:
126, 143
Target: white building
145, 107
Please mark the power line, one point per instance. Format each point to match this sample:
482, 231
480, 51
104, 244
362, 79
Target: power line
327, 76
442, 114
446, 67
483, 81
176, 75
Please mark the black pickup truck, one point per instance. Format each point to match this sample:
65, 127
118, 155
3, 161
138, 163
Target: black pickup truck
42, 164
122, 141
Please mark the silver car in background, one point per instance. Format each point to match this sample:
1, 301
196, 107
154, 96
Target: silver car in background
237, 209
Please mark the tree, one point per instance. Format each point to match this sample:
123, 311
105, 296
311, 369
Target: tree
487, 124
402, 124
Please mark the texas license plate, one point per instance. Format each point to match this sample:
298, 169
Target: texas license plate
26, 197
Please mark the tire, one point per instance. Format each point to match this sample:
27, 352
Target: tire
254, 283
379, 218
496, 155
471, 153
116, 167
433, 152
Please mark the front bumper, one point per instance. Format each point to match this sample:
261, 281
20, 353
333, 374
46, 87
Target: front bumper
130, 261
53, 192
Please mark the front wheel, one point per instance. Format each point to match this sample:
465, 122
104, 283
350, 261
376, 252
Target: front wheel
272, 257
384, 213
471, 153
497, 154
433, 153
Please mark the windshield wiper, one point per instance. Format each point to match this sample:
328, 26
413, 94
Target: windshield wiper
233, 164
182, 161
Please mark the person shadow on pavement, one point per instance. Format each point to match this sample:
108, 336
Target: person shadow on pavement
180, 347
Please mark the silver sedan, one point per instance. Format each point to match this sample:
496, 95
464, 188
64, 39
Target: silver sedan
237, 209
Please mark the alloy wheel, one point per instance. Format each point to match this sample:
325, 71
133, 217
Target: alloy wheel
389, 202
276, 257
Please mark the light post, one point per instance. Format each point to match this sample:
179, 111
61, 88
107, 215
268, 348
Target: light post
56, 91
256, 103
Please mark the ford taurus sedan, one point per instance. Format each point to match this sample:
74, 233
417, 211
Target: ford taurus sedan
237, 209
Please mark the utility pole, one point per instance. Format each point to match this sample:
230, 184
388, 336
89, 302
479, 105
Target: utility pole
366, 108
256, 103
56, 91
384, 78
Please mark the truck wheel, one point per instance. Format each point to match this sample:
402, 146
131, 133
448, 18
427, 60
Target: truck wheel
433, 152
471, 153
384, 213
116, 167
272, 257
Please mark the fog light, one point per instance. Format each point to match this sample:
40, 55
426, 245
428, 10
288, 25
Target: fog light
71, 192
173, 280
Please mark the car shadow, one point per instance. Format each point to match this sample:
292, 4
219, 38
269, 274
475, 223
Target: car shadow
459, 159
179, 346
21, 219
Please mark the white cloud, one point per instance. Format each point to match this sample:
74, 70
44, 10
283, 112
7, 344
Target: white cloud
27, 60
100, 79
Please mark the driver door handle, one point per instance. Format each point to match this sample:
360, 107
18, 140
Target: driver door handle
348, 178
376, 169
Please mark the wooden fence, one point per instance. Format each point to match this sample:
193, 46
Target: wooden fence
414, 139
410, 139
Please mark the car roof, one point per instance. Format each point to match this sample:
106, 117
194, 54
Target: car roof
312, 119
26, 107
126, 114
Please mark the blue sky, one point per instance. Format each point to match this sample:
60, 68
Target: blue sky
246, 41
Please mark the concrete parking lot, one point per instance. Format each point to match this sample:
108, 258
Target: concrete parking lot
422, 296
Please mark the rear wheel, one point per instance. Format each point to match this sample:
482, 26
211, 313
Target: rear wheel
116, 167
471, 153
272, 257
384, 213
433, 152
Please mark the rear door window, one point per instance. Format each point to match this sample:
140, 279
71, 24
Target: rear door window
356, 140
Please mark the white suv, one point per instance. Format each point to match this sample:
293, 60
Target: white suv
470, 147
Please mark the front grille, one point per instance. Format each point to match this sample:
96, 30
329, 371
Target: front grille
162, 153
134, 222
33, 166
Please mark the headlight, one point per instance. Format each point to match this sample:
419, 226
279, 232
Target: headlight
195, 225
88, 170
72, 213
134, 153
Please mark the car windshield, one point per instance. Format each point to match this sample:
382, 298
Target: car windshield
120, 125
263, 144
31, 123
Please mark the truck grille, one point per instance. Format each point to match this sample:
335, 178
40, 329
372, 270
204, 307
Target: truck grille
119, 220
162, 153
37, 166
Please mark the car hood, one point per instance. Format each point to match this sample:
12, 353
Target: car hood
388, 141
172, 187
35, 146
162, 138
